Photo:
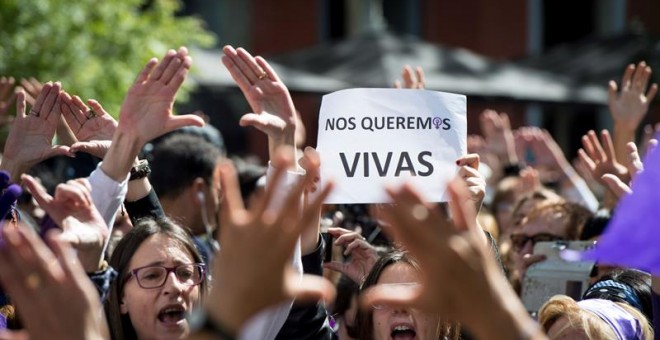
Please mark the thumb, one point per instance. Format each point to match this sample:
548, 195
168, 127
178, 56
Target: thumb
59, 150
617, 186
312, 288
94, 148
176, 122
336, 266
255, 120
37, 190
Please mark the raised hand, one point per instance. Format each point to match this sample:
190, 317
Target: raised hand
93, 128
648, 136
88, 124
616, 186
32, 88
72, 209
7, 98
259, 281
273, 111
476, 182
30, 139
146, 112
498, 135
549, 159
363, 255
601, 159
529, 180
411, 80
41, 281
629, 106
473, 288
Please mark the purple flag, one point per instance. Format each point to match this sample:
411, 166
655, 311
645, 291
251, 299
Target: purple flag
632, 238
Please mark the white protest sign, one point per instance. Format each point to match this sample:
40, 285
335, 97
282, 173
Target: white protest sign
371, 138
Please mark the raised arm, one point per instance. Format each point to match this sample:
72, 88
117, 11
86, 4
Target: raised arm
473, 290
44, 281
273, 111
30, 138
72, 210
252, 281
629, 104
146, 112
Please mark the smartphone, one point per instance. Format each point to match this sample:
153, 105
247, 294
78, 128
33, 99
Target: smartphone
328, 239
555, 275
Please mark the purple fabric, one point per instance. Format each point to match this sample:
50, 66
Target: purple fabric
632, 238
3, 322
623, 323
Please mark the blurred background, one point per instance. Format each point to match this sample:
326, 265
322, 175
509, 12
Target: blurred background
545, 62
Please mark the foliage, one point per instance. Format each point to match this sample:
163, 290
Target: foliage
95, 48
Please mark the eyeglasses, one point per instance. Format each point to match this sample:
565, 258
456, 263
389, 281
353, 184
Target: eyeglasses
518, 241
150, 277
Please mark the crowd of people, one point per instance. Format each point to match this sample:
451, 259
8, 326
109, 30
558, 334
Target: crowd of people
162, 235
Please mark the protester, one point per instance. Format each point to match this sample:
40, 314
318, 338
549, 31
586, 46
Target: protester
563, 318
200, 249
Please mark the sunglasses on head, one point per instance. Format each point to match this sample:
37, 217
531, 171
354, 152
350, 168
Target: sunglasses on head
518, 241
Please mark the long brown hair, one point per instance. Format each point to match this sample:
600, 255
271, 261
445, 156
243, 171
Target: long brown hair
364, 318
120, 324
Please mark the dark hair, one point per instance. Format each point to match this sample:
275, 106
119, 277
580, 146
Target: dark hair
346, 290
637, 283
596, 225
249, 173
120, 325
178, 160
364, 318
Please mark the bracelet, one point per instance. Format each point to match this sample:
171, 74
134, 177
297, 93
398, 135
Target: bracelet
141, 170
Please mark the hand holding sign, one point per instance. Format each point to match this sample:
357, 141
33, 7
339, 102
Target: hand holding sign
369, 138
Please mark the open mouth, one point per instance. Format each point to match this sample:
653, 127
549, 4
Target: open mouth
172, 315
403, 332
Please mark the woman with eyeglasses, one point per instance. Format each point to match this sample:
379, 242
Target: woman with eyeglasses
161, 279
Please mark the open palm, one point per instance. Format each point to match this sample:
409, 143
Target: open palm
267, 95
99, 126
30, 139
146, 112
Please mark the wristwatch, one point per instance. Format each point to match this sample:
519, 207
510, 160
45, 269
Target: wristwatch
141, 170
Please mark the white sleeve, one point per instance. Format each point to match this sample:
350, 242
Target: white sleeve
581, 194
107, 195
266, 324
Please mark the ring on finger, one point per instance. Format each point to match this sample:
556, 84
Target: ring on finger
263, 75
34, 113
90, 114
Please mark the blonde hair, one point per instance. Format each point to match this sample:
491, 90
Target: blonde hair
592, 325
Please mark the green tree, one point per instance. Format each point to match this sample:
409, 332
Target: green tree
95, 48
